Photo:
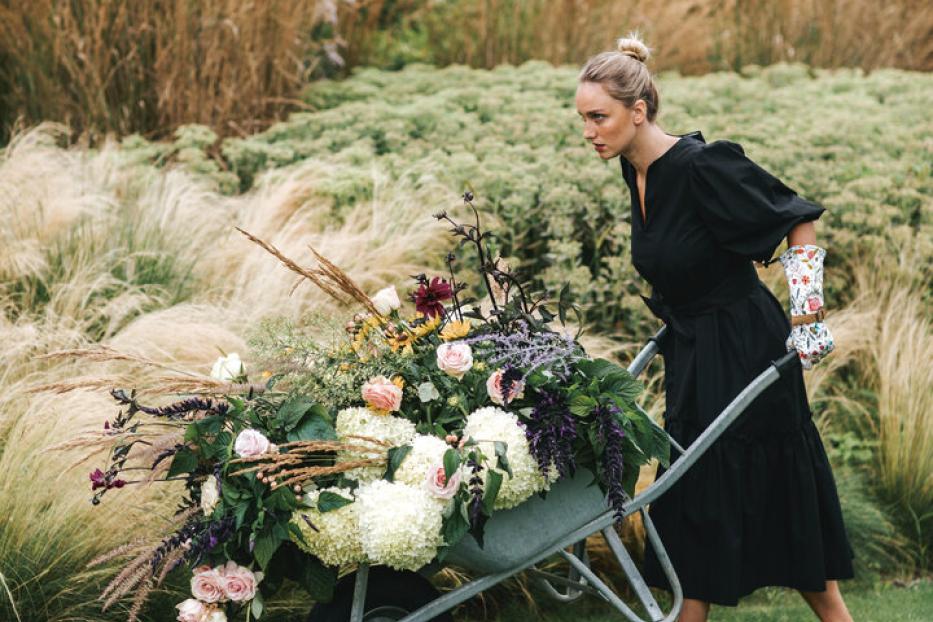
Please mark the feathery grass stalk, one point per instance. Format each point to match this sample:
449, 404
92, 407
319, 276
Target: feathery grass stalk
9, 594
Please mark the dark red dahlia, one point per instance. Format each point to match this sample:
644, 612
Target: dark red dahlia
429, 297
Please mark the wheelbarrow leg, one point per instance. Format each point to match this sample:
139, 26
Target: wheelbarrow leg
572, 582
604, 590
359, 593
631, 571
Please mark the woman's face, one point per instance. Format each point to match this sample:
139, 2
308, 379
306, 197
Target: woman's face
607, 123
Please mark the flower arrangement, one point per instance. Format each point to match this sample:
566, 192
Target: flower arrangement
385, 446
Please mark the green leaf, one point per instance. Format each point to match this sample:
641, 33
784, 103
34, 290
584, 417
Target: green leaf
266, 545
455, 528
395, 457
329, 501
491, 490
240, 513
256, 607
597, 368
502, 457
563, 303
451, 462
317, 579
282, 499
292, 411
185, 461
315, 426
582, 405
621, 385
629, 479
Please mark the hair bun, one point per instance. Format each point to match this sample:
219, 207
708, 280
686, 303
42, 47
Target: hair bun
631, 45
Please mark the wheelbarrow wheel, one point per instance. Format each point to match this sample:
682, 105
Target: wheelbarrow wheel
391, 595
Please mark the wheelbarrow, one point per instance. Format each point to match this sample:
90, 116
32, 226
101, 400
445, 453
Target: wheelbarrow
519, 539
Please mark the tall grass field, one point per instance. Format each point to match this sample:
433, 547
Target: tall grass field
131, 244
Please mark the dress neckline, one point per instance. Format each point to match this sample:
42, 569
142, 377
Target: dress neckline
681, 140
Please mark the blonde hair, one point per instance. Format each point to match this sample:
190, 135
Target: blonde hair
624, 74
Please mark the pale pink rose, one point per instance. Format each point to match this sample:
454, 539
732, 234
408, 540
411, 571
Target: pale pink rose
207, 585
251, 443
191, 610
494, 388
382, 394
239, 582
438, 484
454, 359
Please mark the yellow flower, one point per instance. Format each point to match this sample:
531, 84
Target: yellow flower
402, 340
479, 366
266, 374
399, 382
455, 330
344, 367
427, 328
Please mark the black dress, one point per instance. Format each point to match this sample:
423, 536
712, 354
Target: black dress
760, 507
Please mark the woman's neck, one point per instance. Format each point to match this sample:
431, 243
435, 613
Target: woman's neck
649, 144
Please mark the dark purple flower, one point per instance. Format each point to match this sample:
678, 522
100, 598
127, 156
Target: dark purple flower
551, 430
98, 479
610, 433
429, 297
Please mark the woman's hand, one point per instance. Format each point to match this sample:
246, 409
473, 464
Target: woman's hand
809, 335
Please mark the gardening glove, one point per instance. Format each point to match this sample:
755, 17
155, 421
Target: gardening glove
809, 335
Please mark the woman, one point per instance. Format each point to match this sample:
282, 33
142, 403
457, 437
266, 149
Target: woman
760, 507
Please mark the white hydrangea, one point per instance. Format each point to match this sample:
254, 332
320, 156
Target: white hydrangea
337, 541
364, 422
400, 525
426, 452
490, 424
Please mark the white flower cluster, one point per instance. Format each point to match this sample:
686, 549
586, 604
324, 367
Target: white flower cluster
426, 451
364, 422
399, 525
337, 539
490, 424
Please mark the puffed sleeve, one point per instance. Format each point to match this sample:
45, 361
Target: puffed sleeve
748, 210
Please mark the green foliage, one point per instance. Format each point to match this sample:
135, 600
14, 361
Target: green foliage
513, 134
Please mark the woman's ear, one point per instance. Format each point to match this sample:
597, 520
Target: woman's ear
639, 112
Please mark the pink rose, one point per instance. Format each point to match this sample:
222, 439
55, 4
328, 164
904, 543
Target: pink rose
382, 394
494, 388
251, 443
191, 610
814, 303
207, 585
454, 359
438, 484
239, 582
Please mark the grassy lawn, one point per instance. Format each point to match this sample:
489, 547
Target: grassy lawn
883, 603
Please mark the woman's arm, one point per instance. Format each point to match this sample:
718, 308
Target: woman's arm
804, 233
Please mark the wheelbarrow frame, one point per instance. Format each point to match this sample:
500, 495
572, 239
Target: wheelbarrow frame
581, 579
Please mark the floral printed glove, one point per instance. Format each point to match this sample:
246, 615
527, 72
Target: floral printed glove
803, 267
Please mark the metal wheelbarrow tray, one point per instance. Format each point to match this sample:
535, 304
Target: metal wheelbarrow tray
517, 539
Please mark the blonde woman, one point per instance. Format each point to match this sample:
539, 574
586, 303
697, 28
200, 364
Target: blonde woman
760, 507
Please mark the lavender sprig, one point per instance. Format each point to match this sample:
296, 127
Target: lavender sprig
531, 351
